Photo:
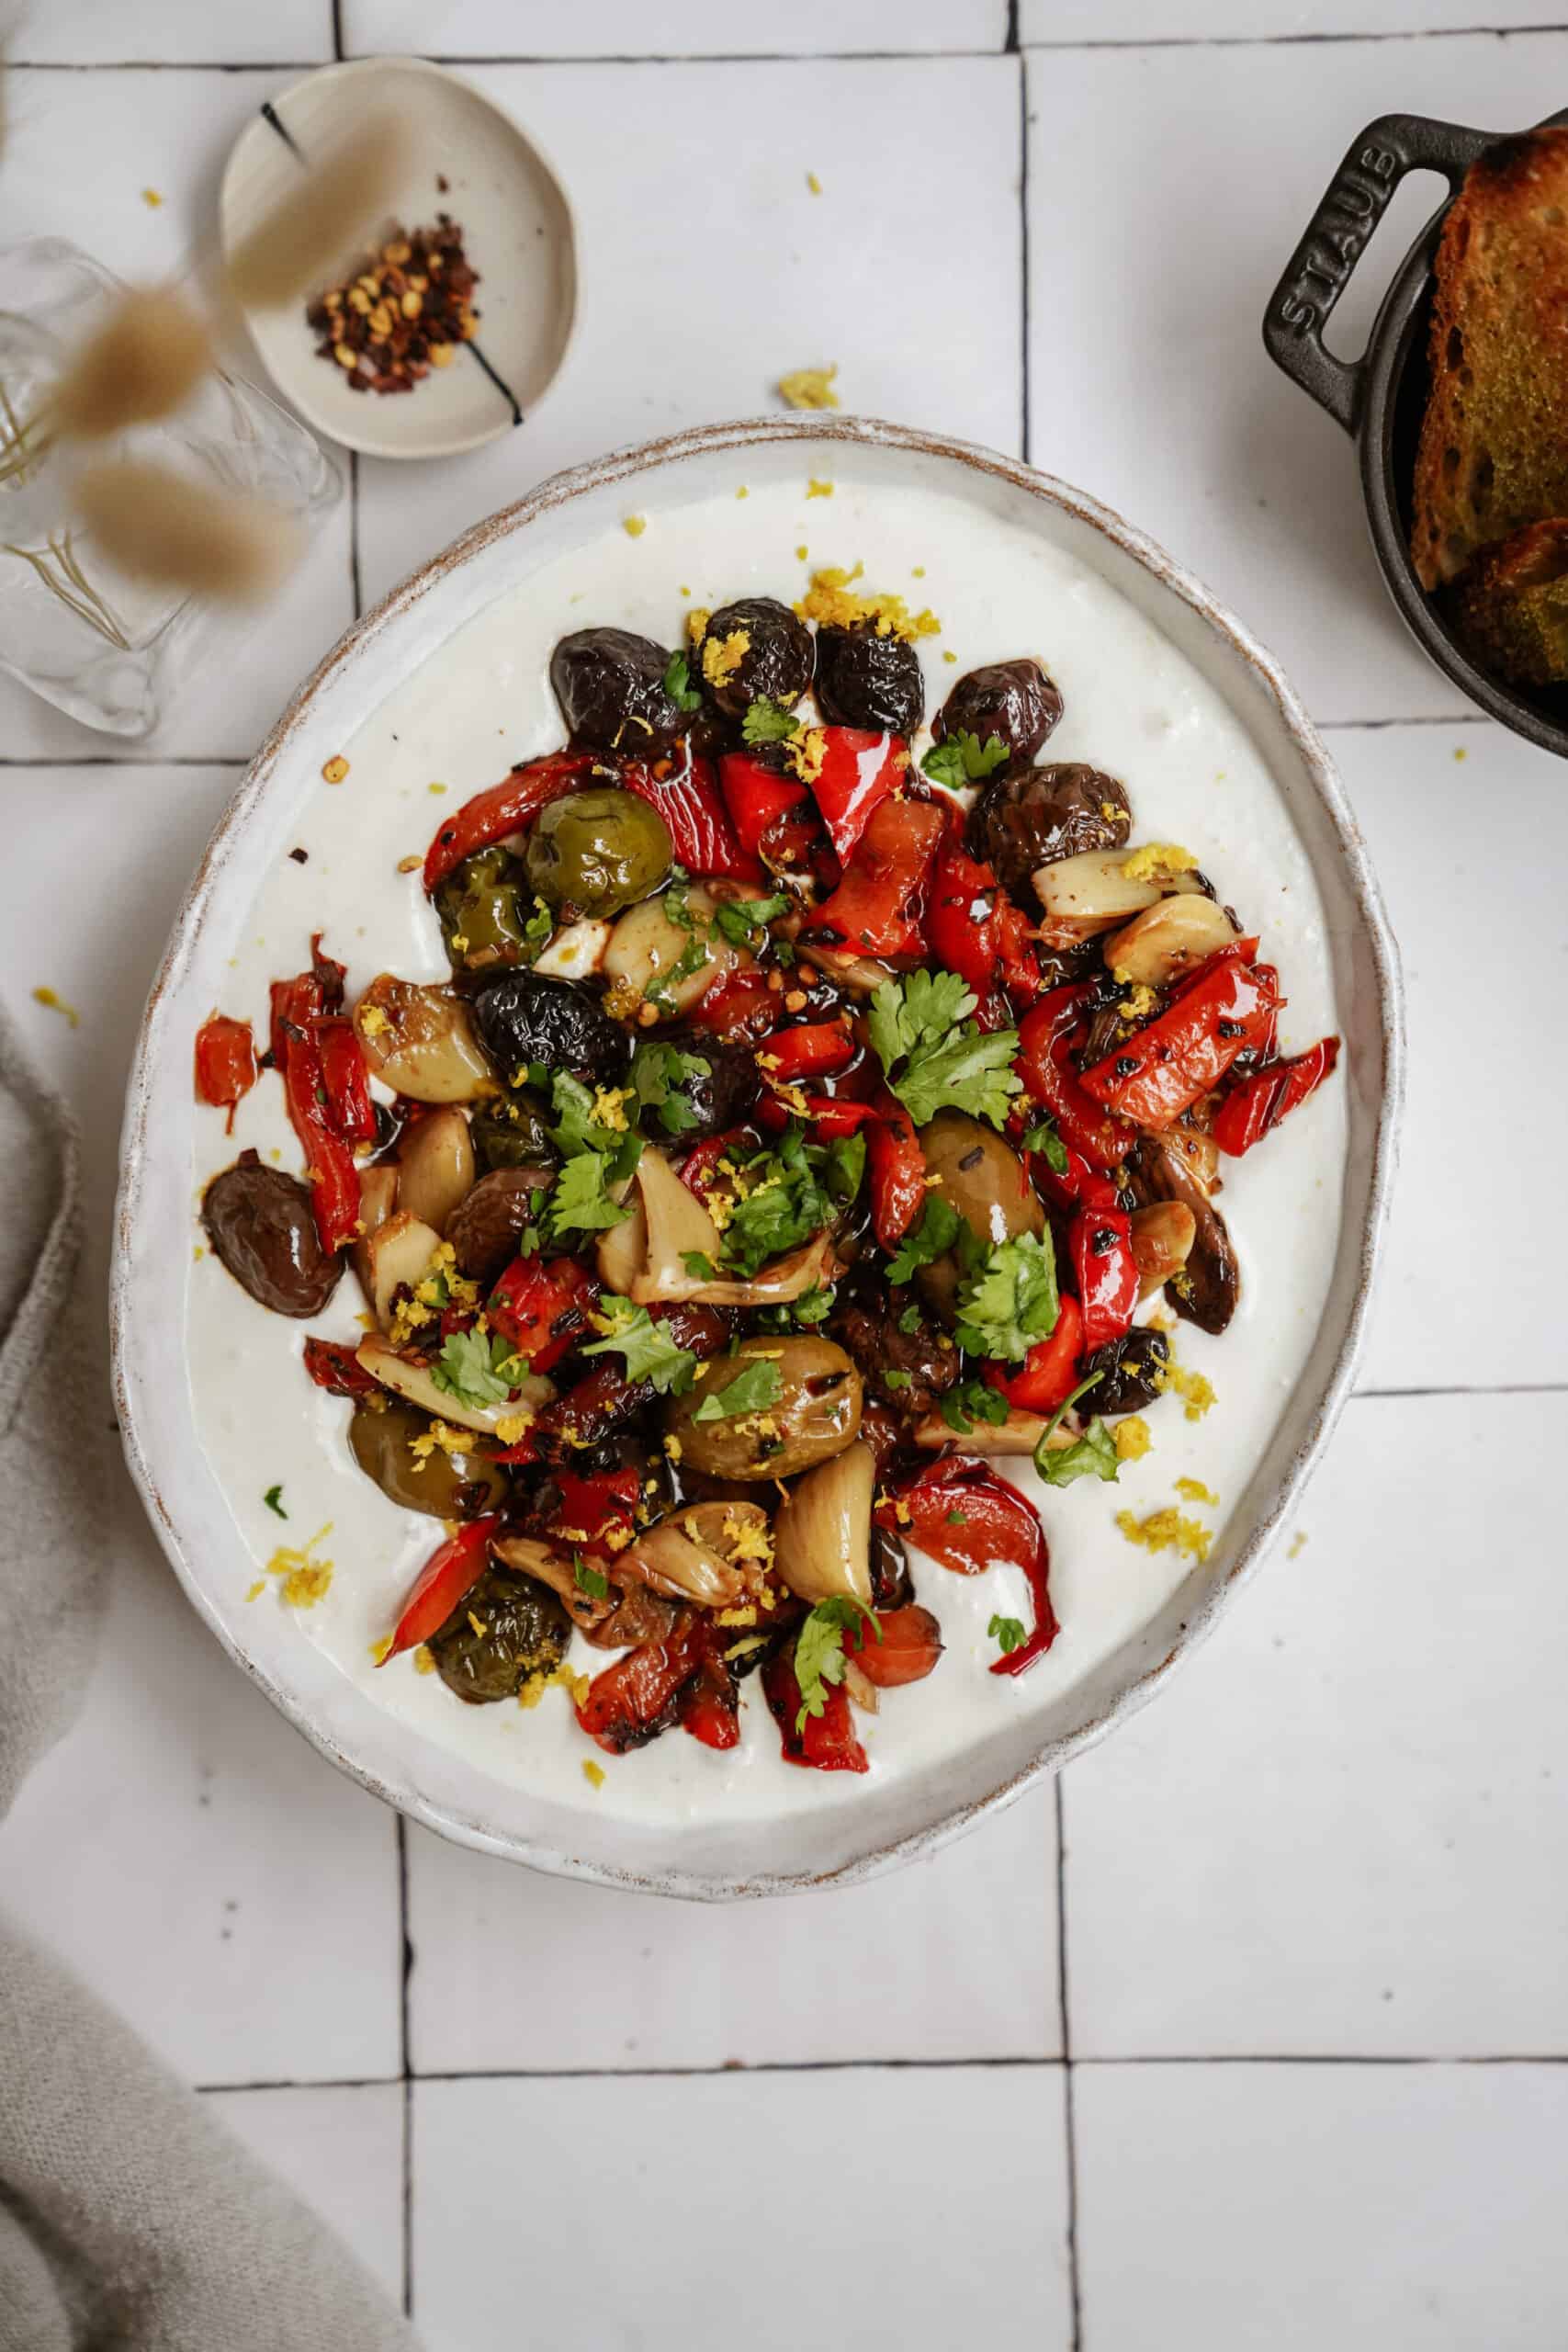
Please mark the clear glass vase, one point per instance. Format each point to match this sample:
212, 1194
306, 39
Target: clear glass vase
72, 627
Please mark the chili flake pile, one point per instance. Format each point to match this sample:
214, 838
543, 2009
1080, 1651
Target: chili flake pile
403, 313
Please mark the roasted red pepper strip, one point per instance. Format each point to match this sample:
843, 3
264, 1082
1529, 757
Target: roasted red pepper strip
640, 1696
541, 1307
346, 1076
757, 797
699, 1171
310, 996
859, 770
1048, 1374
812, 1049
878, 904
225, 1063
447, 1577
591, 1507
1259, 1103
1077, 1186
740, 1005
975, 930
896, 1169
1100, 1241
710, 1704
829, 1115
334, 1177
826, 1742
336, 1368
1162, 1070
1045, 1037
605, 1399
504, 807
962, 1514
910, 1646
682, 791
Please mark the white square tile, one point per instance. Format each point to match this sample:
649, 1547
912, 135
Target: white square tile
1261, 21
922, 2208
1454, 816
1167, 188
1284, 2209
681, 29
709, 269
99, 32
1341, 1829
340, 2149
950, 1957
80, 150
251, 1890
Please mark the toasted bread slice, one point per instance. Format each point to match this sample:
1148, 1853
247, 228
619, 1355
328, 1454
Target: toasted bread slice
1494, 452
1511, 606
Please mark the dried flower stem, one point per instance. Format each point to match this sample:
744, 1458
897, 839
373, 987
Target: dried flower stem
74, 590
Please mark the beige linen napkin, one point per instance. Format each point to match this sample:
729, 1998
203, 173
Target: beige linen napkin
130, 2220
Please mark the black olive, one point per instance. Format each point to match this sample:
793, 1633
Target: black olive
775, 662
485, 1229
863, 680
521, 1633
1127, 1369
524, 1019
261, 1226
1209, 1286
1013, 699
610, 685
711, 1099
1028, 817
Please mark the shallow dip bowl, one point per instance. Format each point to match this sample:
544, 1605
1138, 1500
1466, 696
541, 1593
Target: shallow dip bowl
431, 696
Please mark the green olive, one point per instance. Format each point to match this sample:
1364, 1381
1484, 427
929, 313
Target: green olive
814, 1413
512, 1132
446, 1486
483, 906
506, 1632
984, 1180
598, 851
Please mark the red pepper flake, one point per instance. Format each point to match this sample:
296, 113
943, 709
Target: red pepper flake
403, 310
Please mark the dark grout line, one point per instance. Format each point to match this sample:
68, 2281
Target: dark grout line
1069, 2110
1023, 244
729, 2072
337, 30
1371, 726
122, 760
1307, 40
1009, 42
405, 1957
353, 579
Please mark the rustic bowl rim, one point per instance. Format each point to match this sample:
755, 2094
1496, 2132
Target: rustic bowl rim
1384, 1088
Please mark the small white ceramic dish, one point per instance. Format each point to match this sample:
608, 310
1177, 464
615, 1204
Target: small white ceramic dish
445, 652
467, 159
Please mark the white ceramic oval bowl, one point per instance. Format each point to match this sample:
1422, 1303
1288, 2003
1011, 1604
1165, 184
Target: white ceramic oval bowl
518, 232
900, 1817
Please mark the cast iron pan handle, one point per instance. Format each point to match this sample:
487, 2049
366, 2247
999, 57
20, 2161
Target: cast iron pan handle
1337, 235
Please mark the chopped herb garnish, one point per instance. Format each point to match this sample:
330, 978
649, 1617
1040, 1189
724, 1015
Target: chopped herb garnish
537, 931
753, 1389
1011, 1301
650, 1353
678, 684
1007, 1633
768, 722
698, 1263
893, 1378
956, 1518
962, 759
1043, 1137
970, 1400
589, 1580
272, 1501
479, 1368
739, 920
931, 1238
659, 1072
790, 1194
819, 1650
935, 1058
1093, 1454
910, 1320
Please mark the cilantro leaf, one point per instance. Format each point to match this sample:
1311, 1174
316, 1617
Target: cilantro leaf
935, 1057
924, 1243
843, 1164
962, 759
740, 919
783, 1206
579, 1203
1043, 1137
893, 1378
910, 1320
271, 1498
577, 1129
650, 1353
819, 1650
678, 684
698, 1263
768, 722
589, 1580
1011, 1301
753, 1388
537, 931
479, 1368
970, 1400
658, 1071
1007, 1633
813, 1305
1093, 1454
676, 908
